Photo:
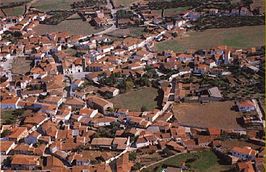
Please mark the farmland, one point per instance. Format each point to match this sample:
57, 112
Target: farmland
240, 37
135, 99
214, 114
203, 161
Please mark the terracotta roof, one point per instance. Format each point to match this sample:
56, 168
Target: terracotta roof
5, 145
102, 141
244, 150
25, 159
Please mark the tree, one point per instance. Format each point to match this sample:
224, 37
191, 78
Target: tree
129, 85
17, 34
136, 166
143, 108
5, 133
132, 156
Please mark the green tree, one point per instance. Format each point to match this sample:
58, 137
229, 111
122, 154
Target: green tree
5, 133
129, 85
143, 108
132, 156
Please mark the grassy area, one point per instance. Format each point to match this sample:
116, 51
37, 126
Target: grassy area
73, 25
172, 11
10, 116
240, 37
203, 161
135, 99
21, 65
132, 31
173, 45
48, 5
214, 114
15, 11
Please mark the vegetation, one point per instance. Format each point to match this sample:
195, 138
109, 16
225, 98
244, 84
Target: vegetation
135, 99
88, 3
11, 116
132, 156
57, 18
252, 36
200, 161
5, 133
211, 22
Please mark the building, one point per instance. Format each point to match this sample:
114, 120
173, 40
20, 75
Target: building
245, 153
246, 106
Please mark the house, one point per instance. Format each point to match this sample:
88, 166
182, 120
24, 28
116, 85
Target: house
99, 103
24, 149
103, 121
18, 133
36, 119
102, 143
184, 58
215, 94
75, 103
131, 43
245, 166
32, 138
243, 153
214, 132
204, 141
88, 112
246, 106
123, 164
6, 146
64, 113
142, 142
120, 143
109, 91
175, 146
9, 102
53, 99
25, 162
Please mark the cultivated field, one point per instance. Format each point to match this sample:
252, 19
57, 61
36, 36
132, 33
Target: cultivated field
72, 25
214, 114
20, 65
239, 37
135, 99
203, 161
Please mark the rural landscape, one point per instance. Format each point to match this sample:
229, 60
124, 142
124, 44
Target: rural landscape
132, 85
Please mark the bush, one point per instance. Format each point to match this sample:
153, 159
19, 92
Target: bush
132, 156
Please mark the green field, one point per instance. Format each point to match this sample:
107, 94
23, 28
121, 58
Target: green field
203, 161
72, 25
240, 37
47, 5
172, 11
135, 99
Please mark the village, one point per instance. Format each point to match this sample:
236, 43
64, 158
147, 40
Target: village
99, 102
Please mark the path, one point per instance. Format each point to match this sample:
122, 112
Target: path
160, 161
